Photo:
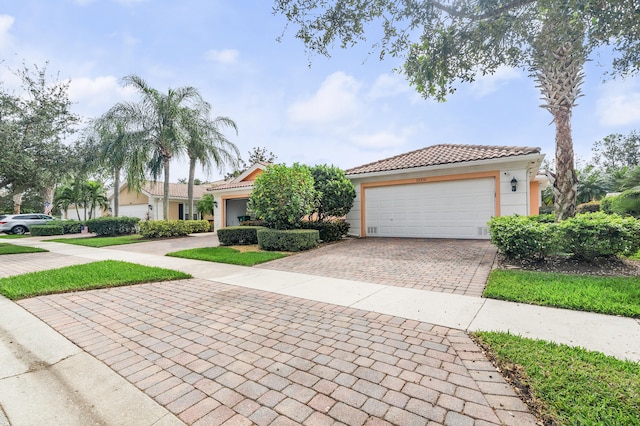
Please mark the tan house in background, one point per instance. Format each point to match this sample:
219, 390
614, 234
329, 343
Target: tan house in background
232, 197
147, 204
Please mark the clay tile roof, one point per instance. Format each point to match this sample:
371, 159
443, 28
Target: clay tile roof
442, 154
176, 190
230, 185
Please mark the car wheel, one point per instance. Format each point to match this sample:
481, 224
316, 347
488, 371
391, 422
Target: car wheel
19, 230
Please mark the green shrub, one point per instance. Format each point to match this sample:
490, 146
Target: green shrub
111, 226
197, 226
627, 203
606, 202
44, 230
288, 240
544, 218
329, 231
522, 237
590, 207
282, 195
70, 226
169, 228
238, 235
592, 235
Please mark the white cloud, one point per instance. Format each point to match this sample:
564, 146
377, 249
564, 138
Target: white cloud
619, 103
388, 85
487, 84
6, 22
224, 56
97, 95
337, 100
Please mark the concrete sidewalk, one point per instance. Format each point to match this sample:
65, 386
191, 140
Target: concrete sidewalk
44, 378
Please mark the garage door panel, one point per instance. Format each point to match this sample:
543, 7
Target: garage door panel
452, 209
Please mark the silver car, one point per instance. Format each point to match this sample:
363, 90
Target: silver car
21, 223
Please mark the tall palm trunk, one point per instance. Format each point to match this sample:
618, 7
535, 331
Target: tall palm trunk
116, 191
192, 175
559, 74
165, 200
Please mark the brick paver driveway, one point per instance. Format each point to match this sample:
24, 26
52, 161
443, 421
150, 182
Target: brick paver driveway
450, 266
218, 354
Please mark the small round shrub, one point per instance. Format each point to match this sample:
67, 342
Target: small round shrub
522, 237
590, 207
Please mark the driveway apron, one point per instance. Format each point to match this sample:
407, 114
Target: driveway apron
214, 353
449, 266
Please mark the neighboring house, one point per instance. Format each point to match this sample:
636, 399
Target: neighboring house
147, 204
232, 197
444, 191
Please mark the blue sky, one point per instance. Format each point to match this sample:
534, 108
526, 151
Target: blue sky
346, 110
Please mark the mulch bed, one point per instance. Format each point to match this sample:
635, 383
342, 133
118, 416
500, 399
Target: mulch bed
601, 267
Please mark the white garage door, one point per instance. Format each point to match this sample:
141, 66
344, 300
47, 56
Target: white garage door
451, 209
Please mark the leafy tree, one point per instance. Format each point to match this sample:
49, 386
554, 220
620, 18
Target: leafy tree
283, 195
592, 185
93, 195
617, 151
66, 195
206, 144
335, 192
159, 118
206, 204
33, 126
449, 42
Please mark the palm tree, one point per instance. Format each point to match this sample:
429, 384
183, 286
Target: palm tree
120, 149
66, 195
93, 195
207, 145
159, 118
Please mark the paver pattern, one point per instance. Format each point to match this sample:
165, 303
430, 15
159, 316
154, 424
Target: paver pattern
449, 266
219, 354
16, 264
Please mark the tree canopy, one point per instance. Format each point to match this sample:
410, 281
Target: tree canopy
445, 43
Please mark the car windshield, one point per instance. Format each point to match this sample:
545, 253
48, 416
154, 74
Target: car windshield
2, 216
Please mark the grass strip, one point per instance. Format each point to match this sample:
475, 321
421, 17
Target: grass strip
606, 295
6, 248
13, 236
567, 385
107, 273
101, 241
228, 255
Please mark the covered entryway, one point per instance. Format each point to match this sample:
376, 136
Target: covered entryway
235, 208
448, 209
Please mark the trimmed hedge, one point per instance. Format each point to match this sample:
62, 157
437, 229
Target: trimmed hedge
590, 207
522, 237
172, 228
329, 231
254, 222
288, 240
70, 226
111, 226
45, 230
586, 236
593, 235
238, 235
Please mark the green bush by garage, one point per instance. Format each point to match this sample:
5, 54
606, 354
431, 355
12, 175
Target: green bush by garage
288, 240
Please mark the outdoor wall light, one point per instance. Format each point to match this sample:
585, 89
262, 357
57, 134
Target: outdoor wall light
215, 204
514, 184
150, 207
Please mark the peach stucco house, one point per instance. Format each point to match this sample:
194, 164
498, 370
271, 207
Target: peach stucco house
147, 203
440, 191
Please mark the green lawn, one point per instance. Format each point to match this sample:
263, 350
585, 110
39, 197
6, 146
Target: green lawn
606, 295
228, 255
574, 386
108, 273
6, 248
10, 236
100, 241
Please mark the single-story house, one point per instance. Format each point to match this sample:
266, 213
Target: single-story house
147, 203
441, 191
445, 191
232, 197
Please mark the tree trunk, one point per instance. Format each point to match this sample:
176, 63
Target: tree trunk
165, 201
192, 173
565, 184
17, 202
116, 191
47, 195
